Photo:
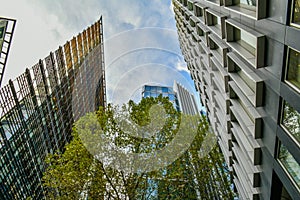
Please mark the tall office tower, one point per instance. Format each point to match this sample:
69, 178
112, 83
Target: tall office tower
244, 57
184, 105
218, 183
40, 106
7, 27
156, 90
186, 100
181, 98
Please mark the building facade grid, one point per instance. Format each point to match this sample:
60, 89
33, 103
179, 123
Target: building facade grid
38, 109
244, 59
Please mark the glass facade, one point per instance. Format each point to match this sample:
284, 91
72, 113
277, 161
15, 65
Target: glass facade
248, 4
296, 13
291, 121
290, 164
37, 110
293, 68
155, 91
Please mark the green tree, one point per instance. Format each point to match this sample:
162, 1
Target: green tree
77, 173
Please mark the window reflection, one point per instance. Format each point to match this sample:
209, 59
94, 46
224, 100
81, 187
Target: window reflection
296, 12
290, 164
291, 121
293, 68
248, 2
215, 1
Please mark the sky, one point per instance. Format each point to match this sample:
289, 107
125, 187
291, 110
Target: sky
141, 42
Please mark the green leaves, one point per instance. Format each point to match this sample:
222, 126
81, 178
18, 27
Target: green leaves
77, 173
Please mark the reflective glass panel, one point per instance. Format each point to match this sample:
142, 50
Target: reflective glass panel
159, 90
164, 89
248, 2
296, 12
147, 94
171, 97
290, 164
154, 95
153, 88
147, 88
293, 68
291, 121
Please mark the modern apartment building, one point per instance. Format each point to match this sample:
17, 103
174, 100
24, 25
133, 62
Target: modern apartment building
39, 107
244, 57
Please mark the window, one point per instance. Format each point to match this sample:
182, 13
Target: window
293, 68
199, 10
159, 90
246, 42
153, 88
218, 49
291, 121
215, 21
147, 88
247, 80
190, 5
247, 116
289, 163
171, 97
295, 18
153, 95
255, 9
248, 2
164, 89
193, 21
218, 2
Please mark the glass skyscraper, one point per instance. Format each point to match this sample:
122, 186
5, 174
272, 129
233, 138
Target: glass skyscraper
155, 91
181, 98
39, 107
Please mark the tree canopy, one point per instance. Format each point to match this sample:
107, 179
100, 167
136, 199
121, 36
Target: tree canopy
96, 165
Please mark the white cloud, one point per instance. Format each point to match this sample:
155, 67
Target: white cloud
181, 66
44, 25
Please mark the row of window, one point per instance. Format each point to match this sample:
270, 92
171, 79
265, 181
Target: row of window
255, 9
289, 163
157, 89
290, 118
290, 122
249, 44
293, 69
295, 18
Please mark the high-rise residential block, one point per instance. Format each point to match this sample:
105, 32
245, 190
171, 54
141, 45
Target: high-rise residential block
244, 57
39, 107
